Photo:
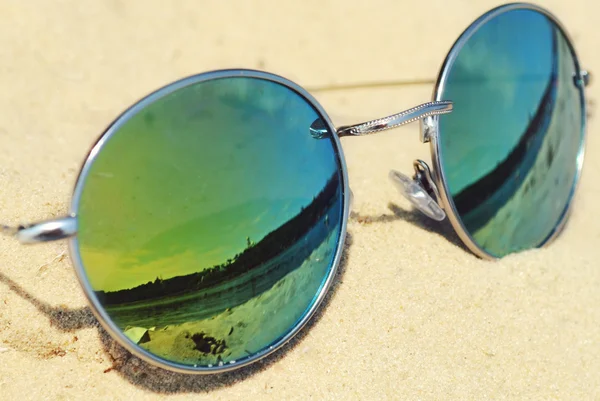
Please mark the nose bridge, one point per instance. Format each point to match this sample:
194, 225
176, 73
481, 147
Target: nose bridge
420, 189
416, 113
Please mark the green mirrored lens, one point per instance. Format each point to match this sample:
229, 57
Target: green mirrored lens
510, 149
209, 220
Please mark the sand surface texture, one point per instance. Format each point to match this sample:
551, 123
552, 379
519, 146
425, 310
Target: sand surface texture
412, 314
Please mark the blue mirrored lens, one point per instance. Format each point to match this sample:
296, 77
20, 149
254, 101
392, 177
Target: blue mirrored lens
210, 218
510, 150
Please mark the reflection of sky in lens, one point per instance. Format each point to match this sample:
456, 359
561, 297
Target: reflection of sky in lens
181, 185
496, 84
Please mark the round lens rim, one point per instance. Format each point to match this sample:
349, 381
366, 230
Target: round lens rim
438, 171
74, 250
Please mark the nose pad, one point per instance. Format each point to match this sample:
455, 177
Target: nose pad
416, 190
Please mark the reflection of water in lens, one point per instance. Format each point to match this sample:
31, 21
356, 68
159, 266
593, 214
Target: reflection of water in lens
203, 303
509, 178
211, 200
546, 187
480, 201
246, 328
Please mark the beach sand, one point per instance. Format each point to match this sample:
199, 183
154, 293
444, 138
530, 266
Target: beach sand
412, 314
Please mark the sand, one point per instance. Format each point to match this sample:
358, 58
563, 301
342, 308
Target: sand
412, 314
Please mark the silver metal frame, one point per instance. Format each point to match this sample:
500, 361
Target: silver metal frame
420, 112
97, 307
51, 230
433, 183
438, 173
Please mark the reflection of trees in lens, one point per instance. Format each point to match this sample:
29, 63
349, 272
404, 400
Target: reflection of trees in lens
480, 201
496, 83
255, 254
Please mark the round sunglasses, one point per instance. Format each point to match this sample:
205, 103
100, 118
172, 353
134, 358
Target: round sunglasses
208, 221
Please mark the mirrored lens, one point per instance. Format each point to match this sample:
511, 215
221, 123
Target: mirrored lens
209, 220
510, 149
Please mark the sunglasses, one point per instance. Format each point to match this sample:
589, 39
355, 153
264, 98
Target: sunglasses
208, 221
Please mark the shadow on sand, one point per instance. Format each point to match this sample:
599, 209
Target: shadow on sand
442, 228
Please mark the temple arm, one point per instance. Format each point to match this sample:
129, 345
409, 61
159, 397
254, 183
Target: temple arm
49, 230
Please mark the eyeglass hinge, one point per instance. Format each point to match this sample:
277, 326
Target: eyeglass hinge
50, 230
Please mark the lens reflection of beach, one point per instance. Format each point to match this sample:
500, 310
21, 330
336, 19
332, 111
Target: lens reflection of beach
240, 314
535, 188
243, 330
